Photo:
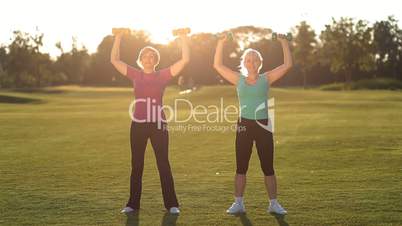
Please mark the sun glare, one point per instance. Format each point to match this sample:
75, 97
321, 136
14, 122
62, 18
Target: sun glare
90, 22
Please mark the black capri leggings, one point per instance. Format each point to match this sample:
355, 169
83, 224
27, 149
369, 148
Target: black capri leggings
139, 135
249, 131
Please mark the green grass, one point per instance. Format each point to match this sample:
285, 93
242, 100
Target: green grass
65, 160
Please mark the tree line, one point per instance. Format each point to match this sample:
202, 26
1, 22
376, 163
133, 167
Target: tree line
346, 50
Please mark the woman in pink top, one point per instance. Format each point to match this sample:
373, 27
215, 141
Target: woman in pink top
149, 122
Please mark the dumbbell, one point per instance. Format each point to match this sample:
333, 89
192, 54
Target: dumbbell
123, 31
180, 31
275, 36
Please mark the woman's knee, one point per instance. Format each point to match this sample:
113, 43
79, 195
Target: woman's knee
242, 170
268, 170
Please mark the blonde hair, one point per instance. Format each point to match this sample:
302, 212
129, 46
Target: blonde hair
243, 69
145, 50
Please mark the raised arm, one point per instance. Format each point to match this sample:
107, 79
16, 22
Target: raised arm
227, 73
281, 70
177, 67
115, 56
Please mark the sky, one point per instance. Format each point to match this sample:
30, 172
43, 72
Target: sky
90, 21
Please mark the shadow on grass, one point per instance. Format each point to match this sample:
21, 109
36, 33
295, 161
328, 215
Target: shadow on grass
38, 90
169, 219
280, 219
245, 221
133, 219
19, 100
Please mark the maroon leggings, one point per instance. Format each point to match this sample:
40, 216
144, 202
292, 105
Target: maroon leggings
139, 134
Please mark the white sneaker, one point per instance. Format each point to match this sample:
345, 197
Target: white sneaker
174, 210
236, 208
127, 209
276, 208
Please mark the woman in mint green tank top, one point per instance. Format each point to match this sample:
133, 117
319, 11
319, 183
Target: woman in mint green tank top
253, 124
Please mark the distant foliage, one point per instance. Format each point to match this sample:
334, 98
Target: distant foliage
346, 51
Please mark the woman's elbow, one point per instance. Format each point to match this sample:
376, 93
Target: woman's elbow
216, 65
114, 63
289, 65
186, 60
288, 68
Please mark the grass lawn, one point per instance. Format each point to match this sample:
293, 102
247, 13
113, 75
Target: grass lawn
65, 160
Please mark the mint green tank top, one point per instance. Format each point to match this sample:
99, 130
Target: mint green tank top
253, 98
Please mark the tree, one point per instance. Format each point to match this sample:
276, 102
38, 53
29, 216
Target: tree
3, 61
387, 40
347, 47
74, 64
26, 64
3, 57
304, 47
